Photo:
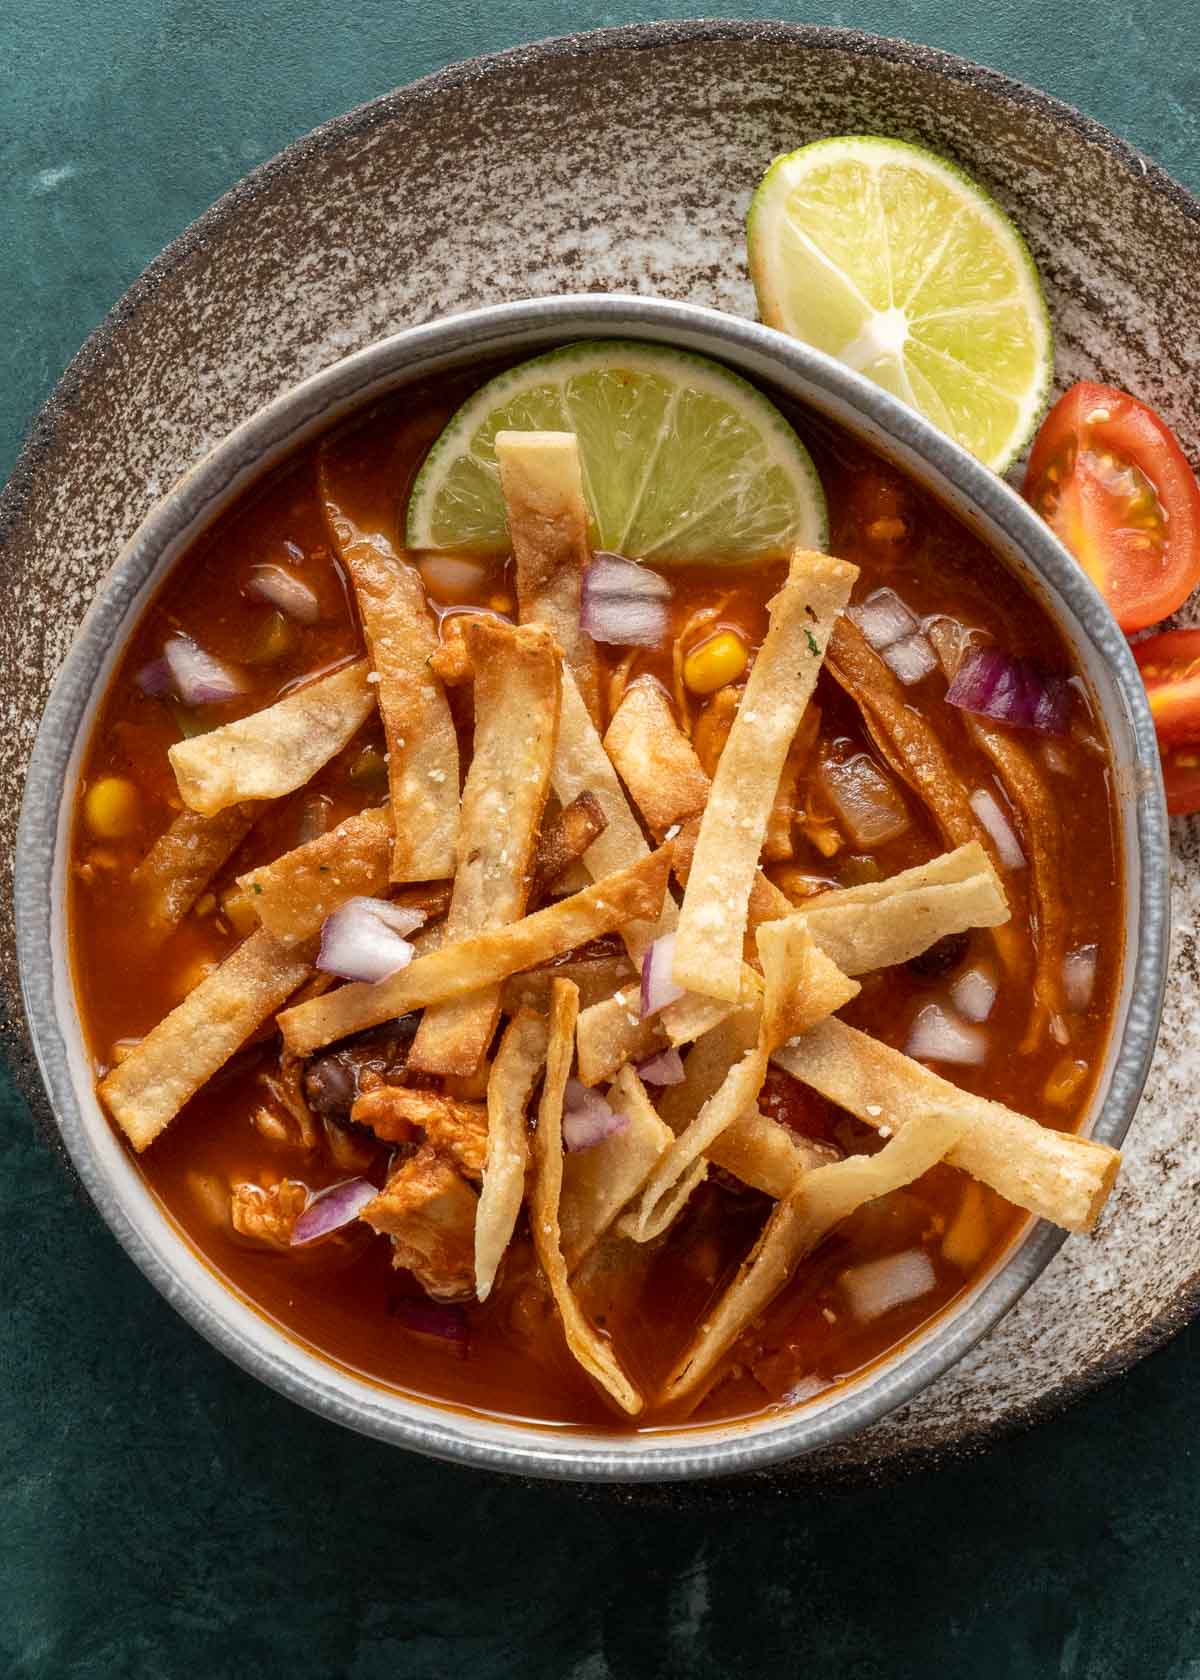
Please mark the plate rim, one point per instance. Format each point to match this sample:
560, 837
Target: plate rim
54, 416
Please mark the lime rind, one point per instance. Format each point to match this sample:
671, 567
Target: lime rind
682, 459
951, 319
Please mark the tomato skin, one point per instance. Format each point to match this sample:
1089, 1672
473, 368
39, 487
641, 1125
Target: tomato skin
1110, 479
1181, 778
1170, 668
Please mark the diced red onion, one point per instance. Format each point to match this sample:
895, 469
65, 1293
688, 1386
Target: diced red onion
1010, 690
991, 814
658, 988
155, 678
883, 618
937, 1036
282, 590
664, 1068
587, 1119
364, 939
444, 1319
331, 1209
974, 994
197, 677
911, 659
866, 802
878, 1286
1079, 976
624, 603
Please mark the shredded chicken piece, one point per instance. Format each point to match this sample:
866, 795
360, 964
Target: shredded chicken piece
713, 726
428, 1210
456, 1129
703, 619
267, 1215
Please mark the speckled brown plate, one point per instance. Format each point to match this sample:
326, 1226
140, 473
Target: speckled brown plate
639, 149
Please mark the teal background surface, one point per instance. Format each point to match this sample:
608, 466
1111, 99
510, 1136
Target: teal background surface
160, 1514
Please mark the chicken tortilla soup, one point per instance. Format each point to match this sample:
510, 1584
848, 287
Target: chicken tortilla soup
610, 936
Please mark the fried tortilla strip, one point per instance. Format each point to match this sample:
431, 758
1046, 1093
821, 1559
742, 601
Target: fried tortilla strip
801, 987
708, 951
876, 925
817, 1202
276, 750
423, 773
599, 1182
515, 1072
1027, 792
655, 759
593, 1352
564, 839
881, 924
767, 903
779, 842
597, 979
293, 895
612, 1032
516, 727
548, 522
462, 966
581, 763
1058, 1175
146, 1091
184, 859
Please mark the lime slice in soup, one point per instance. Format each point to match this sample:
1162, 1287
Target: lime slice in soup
895, 262
682, 460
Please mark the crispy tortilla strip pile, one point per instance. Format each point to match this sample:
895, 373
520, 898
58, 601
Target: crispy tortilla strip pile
542, 482
817, 1202
422, 745
708, 951
592, 1351
516, 728
1058, 1175
276, 750
469, 965
581, 763
801, 987
184, 859
599, 1182
860, 929
515, 1072
147, 1090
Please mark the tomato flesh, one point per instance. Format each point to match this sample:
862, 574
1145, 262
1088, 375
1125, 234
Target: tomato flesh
1170, 668
1110, 479
1181, 777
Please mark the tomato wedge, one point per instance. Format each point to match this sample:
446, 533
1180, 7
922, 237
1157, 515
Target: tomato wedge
1170, 667
1110, 479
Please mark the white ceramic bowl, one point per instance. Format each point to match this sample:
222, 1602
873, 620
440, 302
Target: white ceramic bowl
982, 501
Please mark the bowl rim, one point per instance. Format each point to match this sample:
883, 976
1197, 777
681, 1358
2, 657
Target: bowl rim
272, 432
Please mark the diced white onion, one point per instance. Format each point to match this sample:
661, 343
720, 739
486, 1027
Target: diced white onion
974, 993
988, 809
938, 1036
866, 803
200, 679
284, 591
883, 618
1079, 976
364, 939
911, 659
878, 1286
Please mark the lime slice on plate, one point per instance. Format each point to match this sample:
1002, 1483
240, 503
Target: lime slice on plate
895, 262
682, 460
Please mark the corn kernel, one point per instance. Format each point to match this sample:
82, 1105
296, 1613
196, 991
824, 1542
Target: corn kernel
111, 808
718, 661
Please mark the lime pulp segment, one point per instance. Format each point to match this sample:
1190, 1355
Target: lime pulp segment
682, 460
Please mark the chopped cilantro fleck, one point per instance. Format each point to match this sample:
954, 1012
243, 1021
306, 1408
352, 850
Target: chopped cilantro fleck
812, 641
256, 886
